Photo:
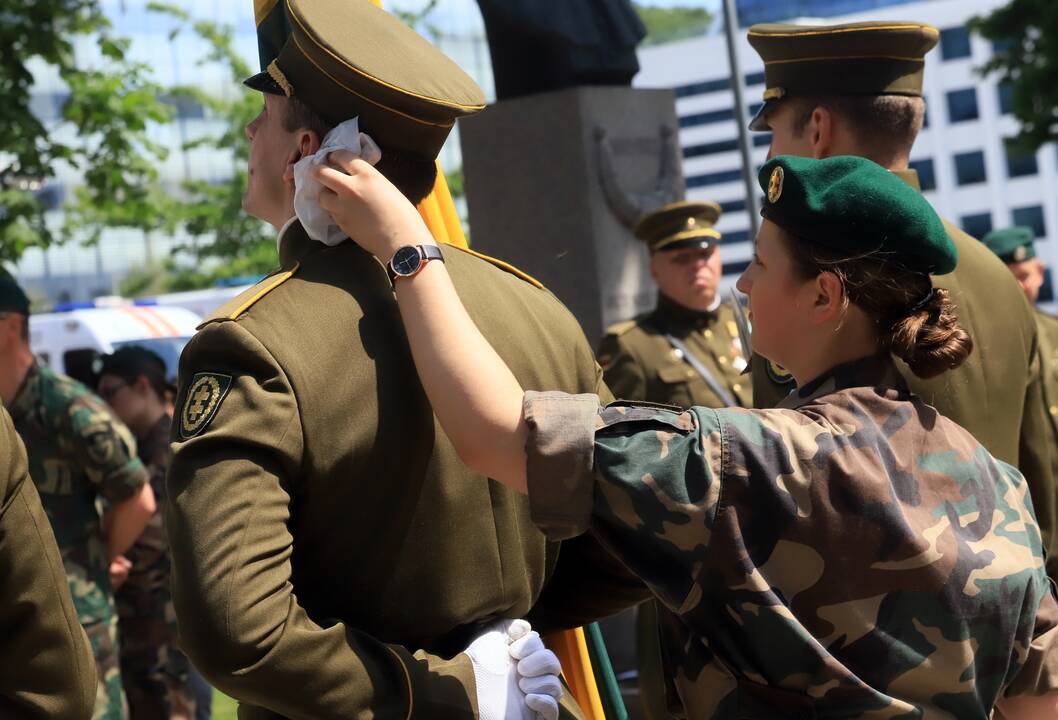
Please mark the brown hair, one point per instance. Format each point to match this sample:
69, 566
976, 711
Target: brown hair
413, 176
887, 123
916, 322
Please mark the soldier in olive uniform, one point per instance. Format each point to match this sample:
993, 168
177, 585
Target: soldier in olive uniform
154, 671
46, 667
79, 453
1016, 246
849, 554
331, 556
684, 352
856, 89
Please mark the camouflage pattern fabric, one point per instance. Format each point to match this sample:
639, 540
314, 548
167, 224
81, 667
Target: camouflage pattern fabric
851, 554
79, 455
153, 669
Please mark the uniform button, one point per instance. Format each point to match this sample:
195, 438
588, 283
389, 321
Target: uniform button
1054, 409
723, 361
737, 388
690, 373
708, 334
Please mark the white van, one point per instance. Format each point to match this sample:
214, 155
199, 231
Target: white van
71, 339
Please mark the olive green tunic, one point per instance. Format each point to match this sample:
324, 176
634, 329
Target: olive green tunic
1048, 329
639, 363
330, 551
997, 394
46, 666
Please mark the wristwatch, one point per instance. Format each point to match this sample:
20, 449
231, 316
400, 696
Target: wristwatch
410, 259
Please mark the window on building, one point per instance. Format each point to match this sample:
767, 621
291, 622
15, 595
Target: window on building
962, 105
735, 236
1001, 46
977, 225
702, 88
970, 168
1019, 162
1047, 289
736, 267
762, 139
756, 78
1031, 216
707, 118
714, 178
954, 43
731, 206
1006, 98
927, 178
712, 148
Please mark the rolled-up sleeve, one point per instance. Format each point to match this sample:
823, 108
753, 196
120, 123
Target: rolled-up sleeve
559, 466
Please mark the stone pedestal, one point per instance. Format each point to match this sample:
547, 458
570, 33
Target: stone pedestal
555, 181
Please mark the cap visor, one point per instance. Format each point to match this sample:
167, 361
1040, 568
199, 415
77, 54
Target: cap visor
759, 123
263, 82
700, 243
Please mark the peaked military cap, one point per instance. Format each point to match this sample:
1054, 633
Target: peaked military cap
854, 205
348, 58
12, 297
1012, 244
867, 58
683, 224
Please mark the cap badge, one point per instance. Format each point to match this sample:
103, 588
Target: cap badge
691, 223
775, 185
1019, 253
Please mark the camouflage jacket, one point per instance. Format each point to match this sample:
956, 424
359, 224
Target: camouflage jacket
146, 592
850, 554
78, 454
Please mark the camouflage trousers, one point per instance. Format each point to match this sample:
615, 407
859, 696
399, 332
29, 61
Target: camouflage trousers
110, 698
154, 671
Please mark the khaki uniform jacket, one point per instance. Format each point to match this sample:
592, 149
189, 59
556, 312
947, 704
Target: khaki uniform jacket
997, 394
639, 363
1048, 328
46, 666
330, 551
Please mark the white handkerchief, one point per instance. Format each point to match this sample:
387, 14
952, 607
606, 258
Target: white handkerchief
318, 222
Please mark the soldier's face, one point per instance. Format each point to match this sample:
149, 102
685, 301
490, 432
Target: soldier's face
269, 193
784, 139
127, 400
778, 297
1029, 275
689, 276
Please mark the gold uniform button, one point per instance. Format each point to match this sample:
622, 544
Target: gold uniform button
737, 388
690, 373
723, 361
708, 334
1054, 409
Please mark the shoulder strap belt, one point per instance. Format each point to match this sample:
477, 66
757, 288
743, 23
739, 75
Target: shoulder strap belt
712, 382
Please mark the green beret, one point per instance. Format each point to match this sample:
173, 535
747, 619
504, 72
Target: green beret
1012, 244
866, 58
348, 58
683, 224
854, 205
12, 297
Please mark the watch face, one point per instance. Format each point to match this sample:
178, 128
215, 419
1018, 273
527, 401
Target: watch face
406, 260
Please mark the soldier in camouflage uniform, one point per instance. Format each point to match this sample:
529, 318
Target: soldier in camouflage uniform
850, 554
79, 456
684, 352
154, 671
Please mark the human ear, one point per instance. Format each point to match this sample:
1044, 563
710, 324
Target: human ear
308, 143
830, 296
822, 132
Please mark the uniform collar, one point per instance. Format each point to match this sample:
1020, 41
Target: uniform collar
294, 244
873, 371
910, 177
28, 396
674, 312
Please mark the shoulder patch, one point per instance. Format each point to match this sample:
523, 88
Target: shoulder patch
242, 302
620, 328
204, 397
778, 373
505, 266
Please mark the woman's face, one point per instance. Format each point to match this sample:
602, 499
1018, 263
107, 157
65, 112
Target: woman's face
779, 298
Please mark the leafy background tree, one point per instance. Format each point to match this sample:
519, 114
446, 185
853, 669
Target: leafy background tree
1025, 36
666, 24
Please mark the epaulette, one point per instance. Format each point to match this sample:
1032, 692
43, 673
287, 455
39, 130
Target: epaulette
621, 328
505, 266
245, 300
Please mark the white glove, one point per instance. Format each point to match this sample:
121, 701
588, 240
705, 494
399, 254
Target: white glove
498, 656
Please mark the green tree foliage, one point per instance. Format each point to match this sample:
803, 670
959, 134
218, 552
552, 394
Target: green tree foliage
227, 242
110, 105
1025, 36
666, 24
